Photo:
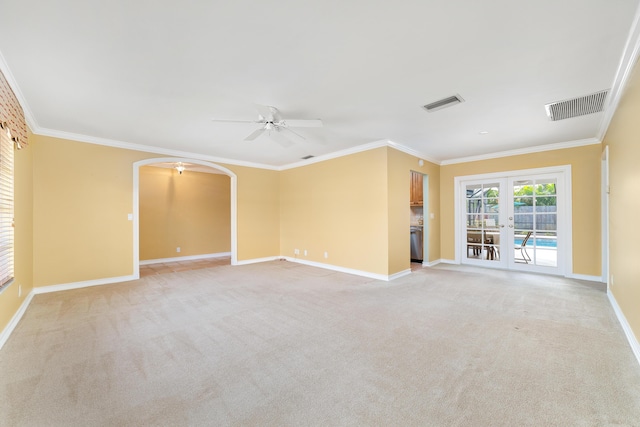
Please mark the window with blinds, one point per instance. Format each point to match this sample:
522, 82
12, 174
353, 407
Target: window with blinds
6, 206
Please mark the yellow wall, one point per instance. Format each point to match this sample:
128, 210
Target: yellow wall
624, 203
258, 212
400, 166
82, 194
191, 210
23, 268
338, 206
585, 176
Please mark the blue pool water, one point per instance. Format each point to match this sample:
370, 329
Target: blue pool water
542, 242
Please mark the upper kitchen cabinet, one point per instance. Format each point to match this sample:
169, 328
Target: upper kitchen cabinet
416, 189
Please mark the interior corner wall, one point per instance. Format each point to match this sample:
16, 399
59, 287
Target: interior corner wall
400, 165
585, 187
258, 215
14, 295
191, 211
624, 204
82, 195
337, 206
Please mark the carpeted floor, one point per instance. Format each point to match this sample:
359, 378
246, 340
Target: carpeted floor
283, 344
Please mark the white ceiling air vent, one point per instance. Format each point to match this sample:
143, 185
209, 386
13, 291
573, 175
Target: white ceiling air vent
575, 107
443, 103
307, 157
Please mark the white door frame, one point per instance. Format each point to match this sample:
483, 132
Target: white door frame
425, 220
566, 258
605, 214
136, 204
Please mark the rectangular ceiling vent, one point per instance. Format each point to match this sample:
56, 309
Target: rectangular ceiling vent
443, 103
307, 157
581, 106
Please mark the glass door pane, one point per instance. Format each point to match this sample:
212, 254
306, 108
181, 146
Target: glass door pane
535, 227
482, 214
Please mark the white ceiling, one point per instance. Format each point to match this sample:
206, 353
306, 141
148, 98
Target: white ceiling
156, 72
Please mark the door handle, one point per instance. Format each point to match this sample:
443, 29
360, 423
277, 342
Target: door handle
501, 225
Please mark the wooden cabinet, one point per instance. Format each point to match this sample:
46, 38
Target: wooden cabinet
416, 189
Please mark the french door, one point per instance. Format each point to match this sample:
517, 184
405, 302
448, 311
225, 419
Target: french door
515, 222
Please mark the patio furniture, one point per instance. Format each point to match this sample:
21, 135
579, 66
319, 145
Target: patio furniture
474, 243
492, 242
523, 249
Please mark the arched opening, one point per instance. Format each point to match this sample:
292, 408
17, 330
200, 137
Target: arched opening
136, 203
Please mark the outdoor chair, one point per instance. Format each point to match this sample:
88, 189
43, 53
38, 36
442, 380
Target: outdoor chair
523, 249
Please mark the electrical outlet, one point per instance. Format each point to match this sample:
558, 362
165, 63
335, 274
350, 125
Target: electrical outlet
326, 254
305, 252
19, 291
296, 251
178, 249
612, 279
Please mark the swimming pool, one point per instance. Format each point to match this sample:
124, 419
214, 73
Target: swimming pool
540, 242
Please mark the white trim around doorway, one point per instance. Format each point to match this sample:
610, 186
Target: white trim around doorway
136, 205
564, 170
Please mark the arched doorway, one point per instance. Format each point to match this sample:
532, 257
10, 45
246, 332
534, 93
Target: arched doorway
136, 203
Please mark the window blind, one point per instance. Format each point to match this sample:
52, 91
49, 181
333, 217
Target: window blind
6, 205
11, 113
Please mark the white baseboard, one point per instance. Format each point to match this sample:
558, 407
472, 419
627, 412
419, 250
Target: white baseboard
633, 341
257, 260
84, 284
362, 273
185, 258
4, 335
399, 274
432, 263
448, 261
585, 277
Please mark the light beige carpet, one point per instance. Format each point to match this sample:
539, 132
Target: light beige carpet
282, 344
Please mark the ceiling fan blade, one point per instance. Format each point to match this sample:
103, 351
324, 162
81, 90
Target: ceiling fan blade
303, 123
280, 138
267, 113
255, 134
233, 121
290, 130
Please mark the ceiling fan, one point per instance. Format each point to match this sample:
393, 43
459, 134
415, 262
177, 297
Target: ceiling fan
272, 122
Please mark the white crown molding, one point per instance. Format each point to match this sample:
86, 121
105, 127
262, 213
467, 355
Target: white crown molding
147, 148
630, 55
413, 152
28, 115
528, 150
336, 154
359, 149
